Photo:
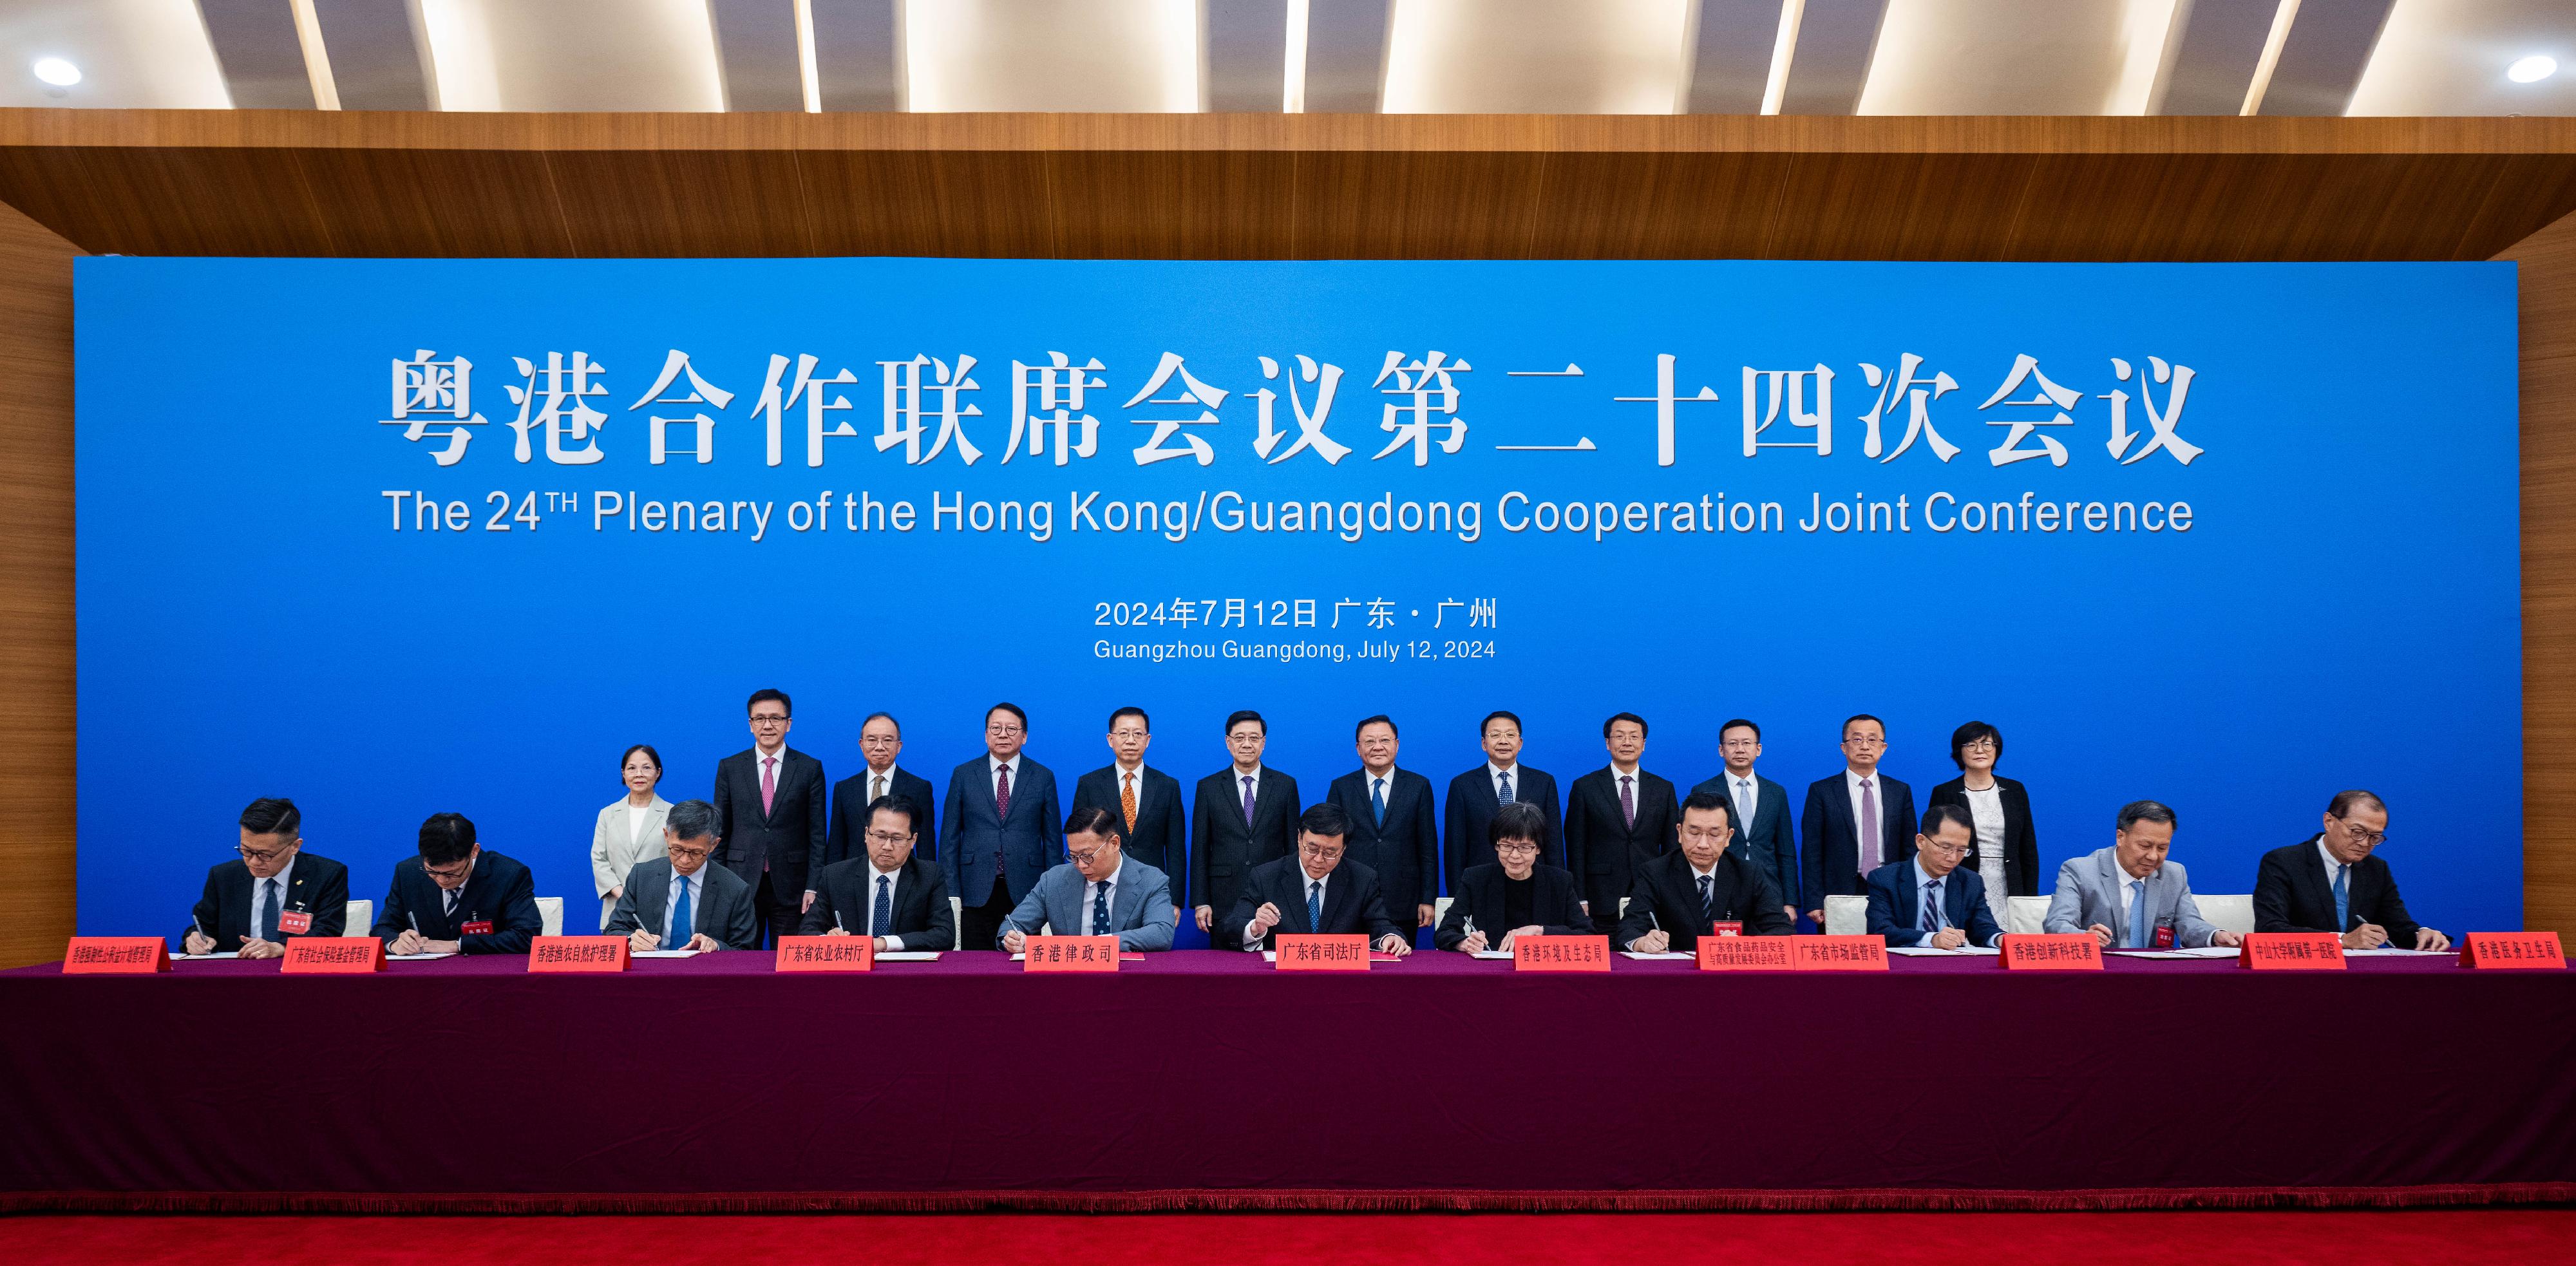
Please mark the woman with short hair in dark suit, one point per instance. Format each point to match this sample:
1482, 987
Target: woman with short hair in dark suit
1512, 895
2006, 852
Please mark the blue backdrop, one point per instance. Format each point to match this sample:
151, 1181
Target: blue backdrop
284, 591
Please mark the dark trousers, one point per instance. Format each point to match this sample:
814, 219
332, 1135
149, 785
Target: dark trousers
980, 926
776, 918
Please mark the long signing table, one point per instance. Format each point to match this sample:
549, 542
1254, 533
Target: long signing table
1208, 1080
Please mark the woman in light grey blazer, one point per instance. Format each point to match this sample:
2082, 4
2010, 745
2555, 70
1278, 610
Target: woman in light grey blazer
629, 830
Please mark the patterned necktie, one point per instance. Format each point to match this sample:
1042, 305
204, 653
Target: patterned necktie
1315, 905
1002, 793
268, 909
1869, 825
1247, 799
1100, 909
881, 918
683, 919
768, 783
1707, 897
1628, 799
2137, 914
1504, 792
1127, 803
2343, 903
449, 897
1932, 920
1377, 799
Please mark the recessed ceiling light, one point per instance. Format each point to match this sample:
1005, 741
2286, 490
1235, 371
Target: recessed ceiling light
2532, 70
56, 71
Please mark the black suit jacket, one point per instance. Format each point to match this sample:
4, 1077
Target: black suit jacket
2294, 893
501, 892
1223, 848
1767, 841
1404, 850
1352, 902
1469, 811
2021, 839
1553, 905
318, 886
787, 839
1160, 836
1832, 847
846, 890
1602, 850
1666, 895
847, 836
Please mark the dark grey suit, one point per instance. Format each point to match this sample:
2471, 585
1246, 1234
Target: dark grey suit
721, 906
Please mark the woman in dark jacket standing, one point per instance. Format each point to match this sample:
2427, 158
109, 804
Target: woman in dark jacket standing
2006, 853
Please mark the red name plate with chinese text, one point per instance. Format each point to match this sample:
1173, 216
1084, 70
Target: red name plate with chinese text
115, 956
333, 956
1307, 951
1561, 953
1729, 927
1069, 953
1744, 953
2291, 951
2052, 951
2513, 951
577, 953
1838, 953
827, 953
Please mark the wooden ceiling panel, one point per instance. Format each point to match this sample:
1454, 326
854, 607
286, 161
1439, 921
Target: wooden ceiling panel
902, 202
663, 203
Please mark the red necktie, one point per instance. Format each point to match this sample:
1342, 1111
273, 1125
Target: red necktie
1002, 795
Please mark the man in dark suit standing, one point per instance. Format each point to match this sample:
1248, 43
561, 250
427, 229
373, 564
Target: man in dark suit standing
1684, 894
1147, 801
880, 742
2332, 882
1394, 827
889, 891
1856, 821
1616, 818
1001, 828
1467, 820
456, 897
1313, 891
1763, 837
273, 894
1242, 816
769, 811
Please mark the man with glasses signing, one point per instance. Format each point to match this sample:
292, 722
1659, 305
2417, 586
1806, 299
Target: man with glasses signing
2334, 882
677, 901
1100, 891
888, 892
1315, 891
277, 891
456, 898
1930, 899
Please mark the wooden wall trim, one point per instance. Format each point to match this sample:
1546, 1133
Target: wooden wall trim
2547, 262
38, 850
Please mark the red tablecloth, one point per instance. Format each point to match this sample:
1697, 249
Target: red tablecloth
1208, 1072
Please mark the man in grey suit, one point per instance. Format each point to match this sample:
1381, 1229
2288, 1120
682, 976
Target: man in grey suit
2128, 896
1100, 892
680, 902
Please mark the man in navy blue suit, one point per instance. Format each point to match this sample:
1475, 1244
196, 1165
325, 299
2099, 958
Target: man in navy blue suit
1763, 835
1000, 829
1395, 830
1930, 899
456, 897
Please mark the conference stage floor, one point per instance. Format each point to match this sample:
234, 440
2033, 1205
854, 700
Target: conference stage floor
1206, 1080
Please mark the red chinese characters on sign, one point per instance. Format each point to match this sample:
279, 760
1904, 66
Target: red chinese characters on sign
1838, 953
115, 956
577, 953
1561, 953
2072, 951
2513, 951
333, 956
1069, 953
1306, 951
1744, 953
827, 953
2291, 951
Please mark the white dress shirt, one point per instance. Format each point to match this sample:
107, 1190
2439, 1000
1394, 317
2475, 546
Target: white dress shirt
1863, 826
883, 784
258, 893
1494, 778
696, 885
993, 775
1304, 882
1093, 890
2332, 864
868, 921
1131, 782
1986, 807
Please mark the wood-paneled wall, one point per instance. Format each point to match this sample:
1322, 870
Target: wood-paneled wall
36, 666
2547, 262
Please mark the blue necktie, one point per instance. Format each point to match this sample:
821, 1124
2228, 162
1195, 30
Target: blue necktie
881, 917
1100, 910
682, 922
1315, 906
2137, 914
2343, 904
1377, 799
1932, 920
1505, 795
268, 910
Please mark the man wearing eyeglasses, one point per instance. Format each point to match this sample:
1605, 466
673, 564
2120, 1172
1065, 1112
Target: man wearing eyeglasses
1855, 822
458, 898
1098, 891
1929, 899
2334, 881
677, 901
1240, 817
1314, 891
890, 894
769, 813
1153, 827
274, 893
1692, 892
1000, 828
854, 798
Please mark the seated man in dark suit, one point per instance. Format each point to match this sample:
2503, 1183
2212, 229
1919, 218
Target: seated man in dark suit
275, 892
456, 898
679, 902
1929, 899
1513, 896
1313, 891
1682, 896
886, 892
2331, 882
